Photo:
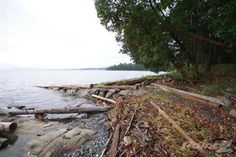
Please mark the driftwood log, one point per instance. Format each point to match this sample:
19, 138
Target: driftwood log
62, 110
127, 82
122, 87
75, 86
8, 126
3, 143
103, 98
212, 101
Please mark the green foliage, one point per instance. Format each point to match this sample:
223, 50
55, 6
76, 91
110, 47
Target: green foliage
223, 70
177, 76
231, 86
211, 90
125, 66
156, 33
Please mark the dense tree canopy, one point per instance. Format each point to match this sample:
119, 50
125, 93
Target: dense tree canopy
127, 66
173, 33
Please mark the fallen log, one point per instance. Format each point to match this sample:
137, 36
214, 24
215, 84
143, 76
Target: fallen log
179, 129
8, 126
3, 143
115, 140
215, 102
127, 82
103, 98
75, 86
80, 109
121, 87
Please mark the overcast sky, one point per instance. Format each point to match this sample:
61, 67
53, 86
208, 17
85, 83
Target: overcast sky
55, 34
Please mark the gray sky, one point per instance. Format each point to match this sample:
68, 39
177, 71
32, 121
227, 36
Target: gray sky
55, 34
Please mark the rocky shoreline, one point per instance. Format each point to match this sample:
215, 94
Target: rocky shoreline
142, 132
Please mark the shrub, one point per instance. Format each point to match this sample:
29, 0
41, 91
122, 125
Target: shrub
211, 90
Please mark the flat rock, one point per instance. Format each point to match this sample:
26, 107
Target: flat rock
56, 142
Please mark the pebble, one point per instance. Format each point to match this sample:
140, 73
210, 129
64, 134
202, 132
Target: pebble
233, 113
127, 141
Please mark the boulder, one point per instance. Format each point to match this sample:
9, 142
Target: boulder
82, 92
124, 92
70, 92
103, 92
110, 93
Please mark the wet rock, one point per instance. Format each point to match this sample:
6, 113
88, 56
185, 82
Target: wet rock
82, 92
103, 92
110, 93
95, 91
62, 90
70, 92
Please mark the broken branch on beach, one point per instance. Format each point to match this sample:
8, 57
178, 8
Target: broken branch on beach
214, 102
62, 110
115, 142
103, 98
178, 128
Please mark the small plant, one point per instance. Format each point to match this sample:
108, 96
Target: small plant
211, 90
231, 86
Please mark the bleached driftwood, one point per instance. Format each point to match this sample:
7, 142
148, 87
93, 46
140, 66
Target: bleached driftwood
212, 101
8, 126
121, 87
127, 82
103, 98
80, 109
75, 86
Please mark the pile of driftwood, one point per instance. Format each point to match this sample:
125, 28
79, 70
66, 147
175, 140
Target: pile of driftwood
6, 134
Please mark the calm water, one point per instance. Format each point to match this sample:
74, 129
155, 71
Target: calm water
17, 87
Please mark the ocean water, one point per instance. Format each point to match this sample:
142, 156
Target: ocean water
18, 87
